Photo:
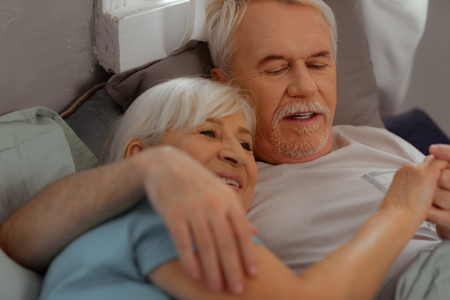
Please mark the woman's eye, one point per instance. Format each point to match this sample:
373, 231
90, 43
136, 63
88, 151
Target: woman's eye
209, 133
246, 146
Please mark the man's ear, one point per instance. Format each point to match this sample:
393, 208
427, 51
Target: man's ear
219, 76
134, 147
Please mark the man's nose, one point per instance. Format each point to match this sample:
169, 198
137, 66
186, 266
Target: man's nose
301, 84
233, 153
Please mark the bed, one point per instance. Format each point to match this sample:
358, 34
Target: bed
38, 146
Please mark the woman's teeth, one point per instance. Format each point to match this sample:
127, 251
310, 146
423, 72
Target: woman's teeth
230, 181
303, 116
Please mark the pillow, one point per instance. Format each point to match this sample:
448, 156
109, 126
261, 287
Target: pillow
16, 282
357, 92
358, 99
128, 85
36, 148
91, 120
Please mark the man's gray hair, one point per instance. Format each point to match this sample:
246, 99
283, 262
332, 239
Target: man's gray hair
182, 103
224, 16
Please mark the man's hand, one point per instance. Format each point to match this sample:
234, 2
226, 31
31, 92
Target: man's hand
440, 212
199, 208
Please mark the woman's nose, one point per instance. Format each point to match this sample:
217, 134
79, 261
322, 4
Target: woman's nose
233, 153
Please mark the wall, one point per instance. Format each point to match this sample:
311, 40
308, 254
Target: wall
46, 57
46, 54
430, 82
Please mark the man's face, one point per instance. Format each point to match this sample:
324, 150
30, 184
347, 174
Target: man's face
284, 59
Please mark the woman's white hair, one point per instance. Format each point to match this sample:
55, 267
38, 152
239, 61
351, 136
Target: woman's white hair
224, 16
182, 103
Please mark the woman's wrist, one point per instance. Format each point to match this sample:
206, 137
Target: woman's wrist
405, 219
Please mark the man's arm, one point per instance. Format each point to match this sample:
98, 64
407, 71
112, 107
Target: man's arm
38, 231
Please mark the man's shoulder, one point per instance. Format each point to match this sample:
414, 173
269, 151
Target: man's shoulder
365, 133
358, 130
376, 138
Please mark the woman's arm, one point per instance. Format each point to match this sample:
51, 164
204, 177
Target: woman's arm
353, 271
38, 231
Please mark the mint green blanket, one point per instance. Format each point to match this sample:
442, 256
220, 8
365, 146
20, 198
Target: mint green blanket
428, 277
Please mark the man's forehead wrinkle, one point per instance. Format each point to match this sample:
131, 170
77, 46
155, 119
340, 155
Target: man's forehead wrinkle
269, 58
324, 53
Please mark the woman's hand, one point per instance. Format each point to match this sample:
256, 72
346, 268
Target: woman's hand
198, 207
414, 186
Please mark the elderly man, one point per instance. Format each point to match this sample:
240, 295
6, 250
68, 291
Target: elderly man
316, 185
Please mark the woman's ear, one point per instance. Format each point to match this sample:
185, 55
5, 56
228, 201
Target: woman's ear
134, 147
219, 76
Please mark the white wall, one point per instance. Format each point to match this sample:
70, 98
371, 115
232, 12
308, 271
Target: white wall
430, 81
46, 53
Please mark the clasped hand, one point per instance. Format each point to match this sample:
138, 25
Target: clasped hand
440, 211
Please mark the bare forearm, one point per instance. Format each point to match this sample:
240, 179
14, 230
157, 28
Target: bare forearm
356, 270
353, 271
34, 234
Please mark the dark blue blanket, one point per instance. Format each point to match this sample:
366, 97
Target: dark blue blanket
417, 128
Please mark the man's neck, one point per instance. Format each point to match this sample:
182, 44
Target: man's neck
277, 158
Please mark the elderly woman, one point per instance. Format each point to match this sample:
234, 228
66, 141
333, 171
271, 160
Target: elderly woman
133, 257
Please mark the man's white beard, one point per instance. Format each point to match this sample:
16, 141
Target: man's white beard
306, 144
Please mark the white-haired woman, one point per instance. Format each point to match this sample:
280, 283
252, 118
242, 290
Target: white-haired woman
133, 257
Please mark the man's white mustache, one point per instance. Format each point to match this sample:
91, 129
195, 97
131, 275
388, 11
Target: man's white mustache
300, 107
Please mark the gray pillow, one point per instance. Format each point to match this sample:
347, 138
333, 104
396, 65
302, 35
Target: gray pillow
128, 85
92, 120
358, 99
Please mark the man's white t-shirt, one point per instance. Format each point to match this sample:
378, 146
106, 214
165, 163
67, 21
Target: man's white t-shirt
305, 211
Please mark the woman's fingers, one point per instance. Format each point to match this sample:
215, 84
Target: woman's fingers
228, 253
207, 250
414, 186
244, 231
181, 233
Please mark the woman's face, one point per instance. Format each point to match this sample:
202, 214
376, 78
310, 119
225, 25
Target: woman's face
224, 146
